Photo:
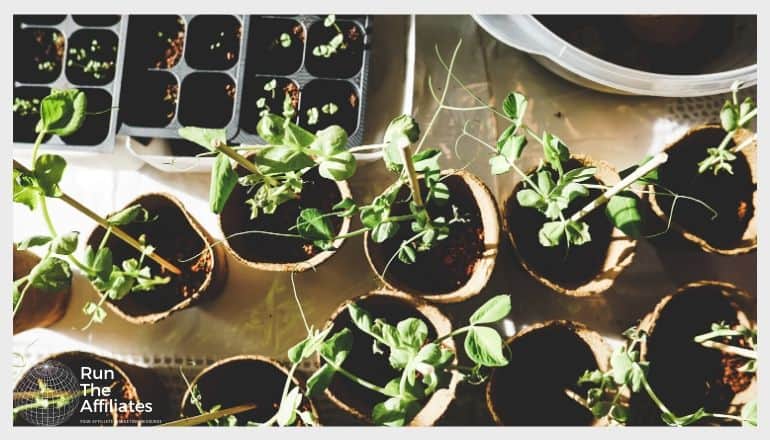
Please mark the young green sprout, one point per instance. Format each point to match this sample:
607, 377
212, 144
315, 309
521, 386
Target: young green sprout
734, 116
336, 43
62, 113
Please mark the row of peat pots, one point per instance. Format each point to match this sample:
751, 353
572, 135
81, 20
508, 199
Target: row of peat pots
688, 362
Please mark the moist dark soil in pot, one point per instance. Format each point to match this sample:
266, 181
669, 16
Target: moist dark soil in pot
317, 192
38, 19
39, 54
149, 99
568, 267
361, 361
266, 54
182, 244
81, 51
206, 100
529, 391
255, 89
24, 122
241, 382
154, 41
674, 45
96, 126
684, 374
728, 194
213, 42
345, 63
320, 92
96, 20
450, 263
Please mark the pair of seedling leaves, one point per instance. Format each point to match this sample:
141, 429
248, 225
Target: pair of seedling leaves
733, 116
62, 113
292, 151
425, 365
336, 43
609, 391
551, 190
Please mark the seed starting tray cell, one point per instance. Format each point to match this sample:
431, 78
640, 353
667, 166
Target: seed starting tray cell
68, 51
223, 71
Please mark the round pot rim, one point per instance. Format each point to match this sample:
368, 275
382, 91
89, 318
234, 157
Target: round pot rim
152, 318
749, 237
244, 357
485, 264
598, 346
298, 266
59, 299
439, 402
623, 245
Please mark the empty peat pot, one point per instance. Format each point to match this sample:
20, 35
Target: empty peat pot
391, 307
176, 236
241, 380
545, 360
457, 267
733, 196
275, 253
684, 374
582, 270
39, 308
129, 386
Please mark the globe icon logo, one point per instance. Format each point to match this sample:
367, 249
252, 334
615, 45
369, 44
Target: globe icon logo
47, 395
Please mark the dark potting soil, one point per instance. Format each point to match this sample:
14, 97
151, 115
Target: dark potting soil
96, 126
361, 361
154, 41
728, 194
149, 99
213, 42
87, 46
529, 391
568, 267
317, 192
266, 55
174, 239
681, 44
320, 92
39, 55
684, 374
240, 382
206, 100
255, 89
346, 62
38, 19
450, 263
96, 20
25, 121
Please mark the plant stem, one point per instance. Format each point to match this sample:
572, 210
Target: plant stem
454, 332
653, 163
357, 379
36, 147
414, 183
655, 398
240, 160
204, 418
286, 384
731, 349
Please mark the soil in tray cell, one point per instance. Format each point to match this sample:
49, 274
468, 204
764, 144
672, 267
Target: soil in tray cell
91, 55
149, 99
213, 42
96, 20
26, 112
266, 94
38, 55
96, 126
329, 102
38, 19
275, 46
206, 100
154, 41
347, 59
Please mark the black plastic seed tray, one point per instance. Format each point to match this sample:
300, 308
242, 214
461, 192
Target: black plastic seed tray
68, 51
212, 71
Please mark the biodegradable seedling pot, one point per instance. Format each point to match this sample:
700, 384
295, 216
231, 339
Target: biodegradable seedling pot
282, 254
456, 268
684, 374
583, 270
202, 278
38, 308
733, 196
240, 380
546, 359
130, 383
391, 307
